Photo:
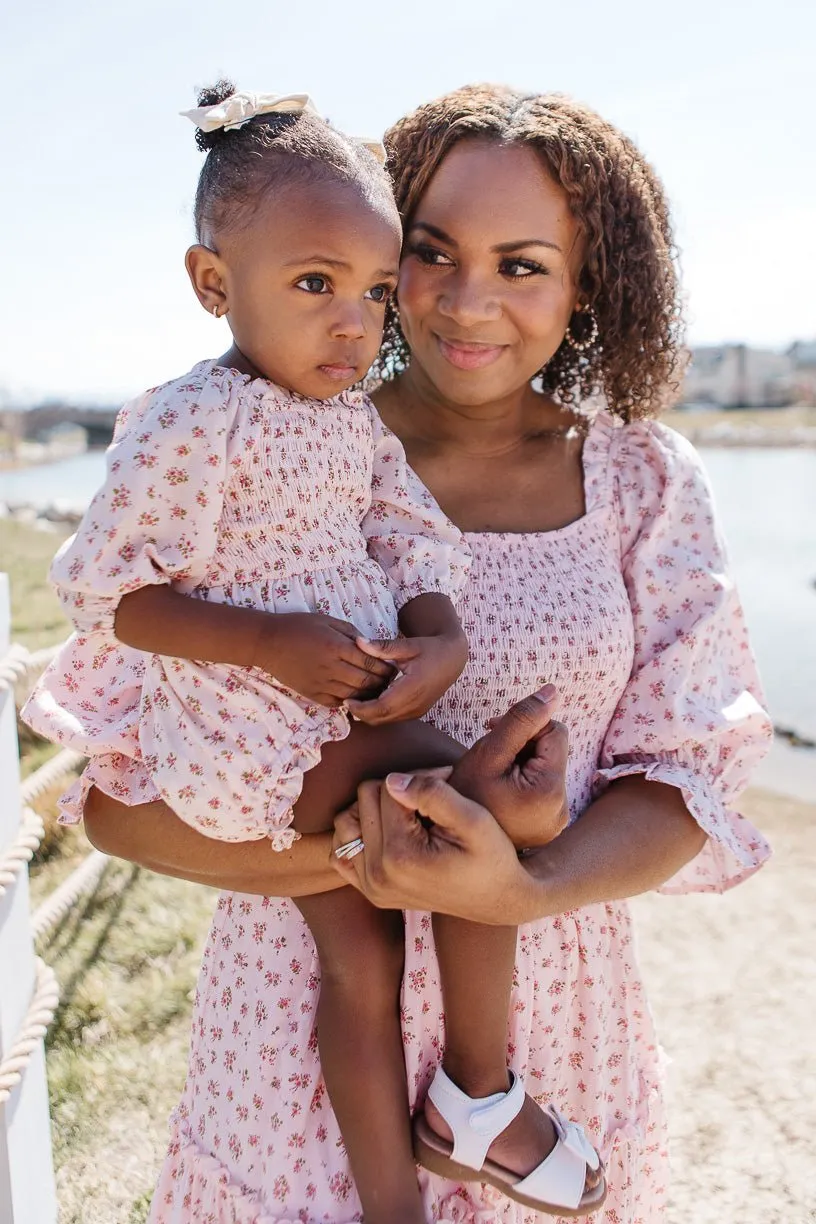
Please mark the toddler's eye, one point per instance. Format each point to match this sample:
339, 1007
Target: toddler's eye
314, 284
379, 293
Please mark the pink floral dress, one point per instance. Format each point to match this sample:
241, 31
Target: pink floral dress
235, 491
631, 613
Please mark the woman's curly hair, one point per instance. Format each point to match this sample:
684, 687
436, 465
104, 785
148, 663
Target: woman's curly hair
629, 274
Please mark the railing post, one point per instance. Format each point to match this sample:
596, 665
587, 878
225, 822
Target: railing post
27, 1189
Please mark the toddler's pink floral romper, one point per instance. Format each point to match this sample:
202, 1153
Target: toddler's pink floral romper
236, 491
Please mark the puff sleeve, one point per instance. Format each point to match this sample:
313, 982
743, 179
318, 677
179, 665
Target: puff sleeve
692, 713
406, 533
155, 518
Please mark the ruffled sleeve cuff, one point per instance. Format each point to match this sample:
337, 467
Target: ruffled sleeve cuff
426, 582
734, 849
89, 613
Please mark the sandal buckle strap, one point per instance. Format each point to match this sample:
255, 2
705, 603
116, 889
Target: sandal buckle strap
475, 1121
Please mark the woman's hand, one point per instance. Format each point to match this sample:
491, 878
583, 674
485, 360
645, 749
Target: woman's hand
518, 771
426, 666
319, 658
464, 863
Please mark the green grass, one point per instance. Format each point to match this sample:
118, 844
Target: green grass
126, 959
37, 619
25, 555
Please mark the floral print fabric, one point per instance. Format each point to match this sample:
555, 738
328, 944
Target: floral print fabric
236, 491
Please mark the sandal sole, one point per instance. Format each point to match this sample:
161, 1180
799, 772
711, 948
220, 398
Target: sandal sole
432, 1153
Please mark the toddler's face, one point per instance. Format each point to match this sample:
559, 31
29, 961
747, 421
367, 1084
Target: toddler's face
306, 282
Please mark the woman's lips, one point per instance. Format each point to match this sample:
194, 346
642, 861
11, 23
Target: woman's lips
469, 356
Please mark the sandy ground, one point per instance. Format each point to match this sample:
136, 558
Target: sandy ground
734, 994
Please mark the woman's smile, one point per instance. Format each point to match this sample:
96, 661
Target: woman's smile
470, 354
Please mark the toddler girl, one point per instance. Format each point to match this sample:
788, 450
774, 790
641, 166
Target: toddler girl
257, 529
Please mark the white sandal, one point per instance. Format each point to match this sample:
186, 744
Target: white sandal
555, 1187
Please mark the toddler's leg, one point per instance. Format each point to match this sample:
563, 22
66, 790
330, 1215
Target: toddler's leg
367, 752
362, 951
476, 965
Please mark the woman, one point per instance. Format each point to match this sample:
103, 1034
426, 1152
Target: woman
537, 247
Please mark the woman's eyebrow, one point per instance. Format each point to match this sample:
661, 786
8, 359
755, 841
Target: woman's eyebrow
501, 248
504, 248
434, 231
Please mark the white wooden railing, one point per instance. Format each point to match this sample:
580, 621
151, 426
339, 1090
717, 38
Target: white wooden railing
28, 987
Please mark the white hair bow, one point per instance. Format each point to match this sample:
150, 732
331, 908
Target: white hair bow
239, 108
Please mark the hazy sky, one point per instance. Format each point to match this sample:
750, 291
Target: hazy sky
98, 172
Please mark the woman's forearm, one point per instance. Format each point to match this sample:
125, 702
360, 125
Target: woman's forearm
160, 620
153, 836
630, 840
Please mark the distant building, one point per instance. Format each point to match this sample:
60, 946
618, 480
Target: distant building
97, 421
736, 376
61, 441
64, 440
803, 376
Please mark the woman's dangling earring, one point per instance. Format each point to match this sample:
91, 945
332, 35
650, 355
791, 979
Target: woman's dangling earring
394, 320
581, 346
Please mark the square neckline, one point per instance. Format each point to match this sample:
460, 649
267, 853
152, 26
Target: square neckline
593, 468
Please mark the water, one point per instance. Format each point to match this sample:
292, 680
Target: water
767, 503
68, 483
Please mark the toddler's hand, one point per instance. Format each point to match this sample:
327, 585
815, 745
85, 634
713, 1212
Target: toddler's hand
428, 667
319, 658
